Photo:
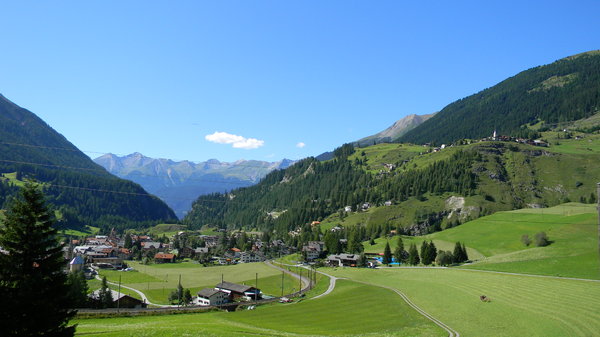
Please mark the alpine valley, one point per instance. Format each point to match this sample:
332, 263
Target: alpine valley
178, 183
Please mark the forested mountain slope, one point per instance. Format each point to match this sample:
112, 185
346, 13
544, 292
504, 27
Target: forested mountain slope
83, 192
566, 90
422, 188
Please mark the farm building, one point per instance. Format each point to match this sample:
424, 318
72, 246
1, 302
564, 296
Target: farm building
164, 258
119, 299
209, 296
239, 291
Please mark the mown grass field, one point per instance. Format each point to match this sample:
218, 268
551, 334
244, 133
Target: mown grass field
381, 313
520, 305
495, 241
158, 280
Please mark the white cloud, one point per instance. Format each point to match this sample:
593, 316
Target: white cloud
237, 142
300, 145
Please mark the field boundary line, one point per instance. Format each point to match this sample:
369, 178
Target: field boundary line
451, 332
530, 275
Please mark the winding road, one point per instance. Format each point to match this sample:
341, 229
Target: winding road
142, 295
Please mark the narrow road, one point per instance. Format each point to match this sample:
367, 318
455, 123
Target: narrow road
142, 295
305, 283
332, 280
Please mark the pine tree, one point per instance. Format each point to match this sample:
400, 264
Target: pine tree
424, 252
78, 289
413, 255
32, 282
128, 243
105, 299
458, 253
464, 252
387, 254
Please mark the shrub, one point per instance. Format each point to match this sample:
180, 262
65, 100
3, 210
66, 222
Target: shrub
541, 239
525, 239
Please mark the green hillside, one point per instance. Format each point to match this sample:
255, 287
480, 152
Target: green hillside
494, 242
566, 90
82, 191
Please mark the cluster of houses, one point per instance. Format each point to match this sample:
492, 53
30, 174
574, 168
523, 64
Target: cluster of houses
108, 251
227, 292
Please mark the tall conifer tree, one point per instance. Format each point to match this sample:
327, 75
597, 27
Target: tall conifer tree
33, 289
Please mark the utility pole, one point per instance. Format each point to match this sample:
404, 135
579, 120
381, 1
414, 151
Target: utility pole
300, 287
119, 294
178, 292
598, 198
256, 286
282, 273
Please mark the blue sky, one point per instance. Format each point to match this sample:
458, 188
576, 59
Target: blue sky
266, 80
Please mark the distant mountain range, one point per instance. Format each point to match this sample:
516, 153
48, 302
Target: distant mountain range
179, 183
398, 129
82, 192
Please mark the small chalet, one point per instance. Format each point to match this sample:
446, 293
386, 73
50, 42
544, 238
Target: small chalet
239, 291
164, 258
76, 264
123, 301
209, 296
151, 244
342, 260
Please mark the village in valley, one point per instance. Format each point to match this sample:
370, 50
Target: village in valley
97, 253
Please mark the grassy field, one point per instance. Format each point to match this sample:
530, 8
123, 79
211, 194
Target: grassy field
158, 280
381, 313
520, 305
495, 241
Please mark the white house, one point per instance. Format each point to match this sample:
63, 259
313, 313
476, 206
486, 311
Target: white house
209, 296
247, 257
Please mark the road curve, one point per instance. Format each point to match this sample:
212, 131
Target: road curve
142, 295
305, 283
333, 279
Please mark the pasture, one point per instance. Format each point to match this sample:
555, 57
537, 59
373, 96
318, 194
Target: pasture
158, 280
353, 309
494, 241
520, 305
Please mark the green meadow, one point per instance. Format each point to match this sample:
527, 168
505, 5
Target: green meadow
158, 280
520, 305
494, 242
353, 309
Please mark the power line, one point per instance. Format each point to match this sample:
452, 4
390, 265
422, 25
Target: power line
125, 155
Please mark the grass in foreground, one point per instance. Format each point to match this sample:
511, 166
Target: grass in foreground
520, 305
351, 310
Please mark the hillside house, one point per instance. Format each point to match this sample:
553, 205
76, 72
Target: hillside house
239, 291
119, 299
164, 258
248, 257
210, 296
76, 264
151, 244
343, 260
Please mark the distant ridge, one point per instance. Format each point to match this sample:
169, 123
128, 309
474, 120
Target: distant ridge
398, 129
178, 183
